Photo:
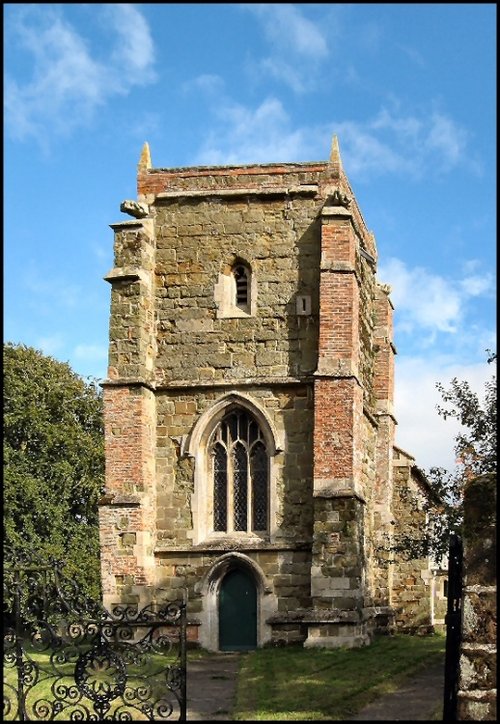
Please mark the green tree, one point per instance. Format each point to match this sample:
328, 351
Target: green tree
475, 452
53, 462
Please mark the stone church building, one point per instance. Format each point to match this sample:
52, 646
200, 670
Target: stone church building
251, 465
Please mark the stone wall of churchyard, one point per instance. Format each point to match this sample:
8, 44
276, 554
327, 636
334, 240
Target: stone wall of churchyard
478, 655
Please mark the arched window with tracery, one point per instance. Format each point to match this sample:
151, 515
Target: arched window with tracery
240, 473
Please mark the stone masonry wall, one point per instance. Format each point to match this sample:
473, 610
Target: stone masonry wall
375, 592
127, 511
312, 353
132, 339
287, 574
411, 579
478, 655
344, 449
208, 218
198, 241
290, 410
381, 528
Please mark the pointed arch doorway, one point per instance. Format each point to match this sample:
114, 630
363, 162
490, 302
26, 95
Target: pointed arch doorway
237, 612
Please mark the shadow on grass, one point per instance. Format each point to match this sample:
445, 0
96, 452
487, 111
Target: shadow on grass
328, 684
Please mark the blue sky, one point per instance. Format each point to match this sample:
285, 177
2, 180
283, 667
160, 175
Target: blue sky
410, 90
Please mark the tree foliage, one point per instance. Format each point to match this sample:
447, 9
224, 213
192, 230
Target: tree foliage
476, 453
476, 445
53, 462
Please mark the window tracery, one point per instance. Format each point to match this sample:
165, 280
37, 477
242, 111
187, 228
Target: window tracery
240, 474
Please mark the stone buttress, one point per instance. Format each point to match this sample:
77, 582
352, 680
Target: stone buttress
128, 508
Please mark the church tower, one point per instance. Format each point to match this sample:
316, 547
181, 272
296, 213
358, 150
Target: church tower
249, 406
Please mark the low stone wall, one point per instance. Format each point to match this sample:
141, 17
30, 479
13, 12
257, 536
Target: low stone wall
477, 681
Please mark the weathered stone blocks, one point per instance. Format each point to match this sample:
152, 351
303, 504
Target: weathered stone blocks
316, 374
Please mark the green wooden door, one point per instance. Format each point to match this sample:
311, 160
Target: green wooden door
237, 612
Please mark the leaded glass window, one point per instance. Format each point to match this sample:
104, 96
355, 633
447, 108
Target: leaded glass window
258, 467
240, 485
220, 487
240, 474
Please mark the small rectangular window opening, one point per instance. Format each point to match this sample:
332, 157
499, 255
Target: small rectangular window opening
303, 304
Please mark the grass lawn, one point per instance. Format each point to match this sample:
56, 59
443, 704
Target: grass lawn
294, 683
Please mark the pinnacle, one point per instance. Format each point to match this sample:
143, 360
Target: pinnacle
335, 153
145, 159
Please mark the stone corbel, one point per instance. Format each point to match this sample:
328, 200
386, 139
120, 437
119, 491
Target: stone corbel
126, 274
137, 209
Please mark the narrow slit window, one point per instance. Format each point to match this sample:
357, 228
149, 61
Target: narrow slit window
241, 278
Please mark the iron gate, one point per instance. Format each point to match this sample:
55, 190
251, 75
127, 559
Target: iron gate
68, 658
453, 628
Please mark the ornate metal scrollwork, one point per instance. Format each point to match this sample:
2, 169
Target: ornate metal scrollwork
68, 658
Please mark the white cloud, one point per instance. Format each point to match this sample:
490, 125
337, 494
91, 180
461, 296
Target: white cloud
69, 82
260, 135
390, 142
298, 46
471, 265
207, 83
291, 75
134, 51
423, 300
421, 431
433, 312
428, 302
286, 28
475, 286
445, 137
364, 153
395, 142
407, 127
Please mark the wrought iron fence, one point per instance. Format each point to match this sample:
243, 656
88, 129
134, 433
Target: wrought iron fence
69, 658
